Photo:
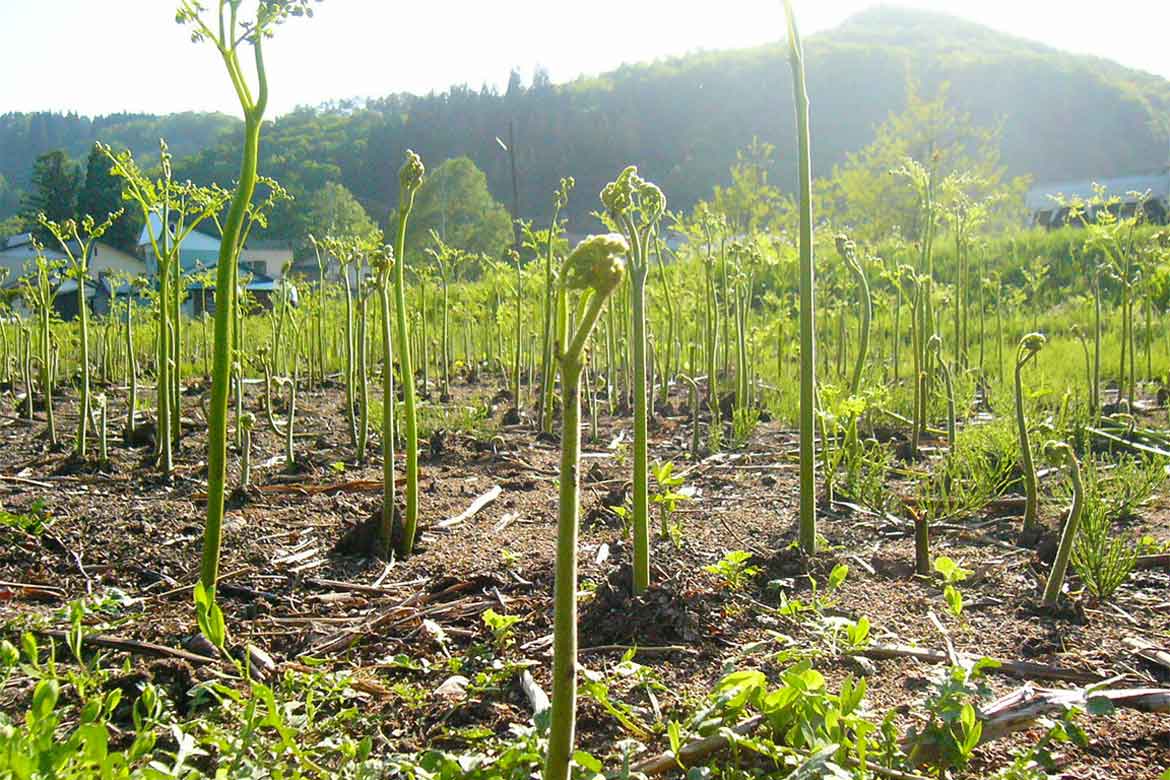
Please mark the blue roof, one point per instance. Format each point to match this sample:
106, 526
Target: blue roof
258, 283
1043, 197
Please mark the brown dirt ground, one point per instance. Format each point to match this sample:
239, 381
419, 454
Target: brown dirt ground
124, 526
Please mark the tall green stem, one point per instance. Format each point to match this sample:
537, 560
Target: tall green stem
350, 376
386, 527
226, 273
1062, 453
636, 206
808, 518
849, 254
1029, 346
410, 178
594, 265
83, 334
641, 434
131, 370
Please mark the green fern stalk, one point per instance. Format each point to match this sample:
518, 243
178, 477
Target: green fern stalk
410, 178
808, 507
1062, 454
1028, 348
595, 266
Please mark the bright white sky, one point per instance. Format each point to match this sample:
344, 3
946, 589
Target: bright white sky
101, 56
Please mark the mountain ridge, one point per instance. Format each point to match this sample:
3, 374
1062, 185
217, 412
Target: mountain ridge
1063, 116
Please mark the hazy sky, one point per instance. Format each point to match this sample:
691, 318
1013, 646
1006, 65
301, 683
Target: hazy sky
100, 56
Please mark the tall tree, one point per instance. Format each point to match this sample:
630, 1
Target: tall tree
454, 201
53, 191
931, 131
334, 211
9, 199
101, 194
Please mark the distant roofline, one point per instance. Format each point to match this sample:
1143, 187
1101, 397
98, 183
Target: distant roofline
1057, 186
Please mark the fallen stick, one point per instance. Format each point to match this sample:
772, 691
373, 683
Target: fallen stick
1152, 561
300, 488
536, 696
695, 752
25, 481
1019, 709
182, 588
1026, 670
357, 587
478, 504
132, 646
30, 589
1148, 650
1134, 445
638, 649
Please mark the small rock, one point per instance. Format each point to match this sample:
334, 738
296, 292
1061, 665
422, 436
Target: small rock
201, 645
454, 687
260, 664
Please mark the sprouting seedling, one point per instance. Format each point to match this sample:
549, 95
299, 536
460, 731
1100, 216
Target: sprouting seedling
1029, 346
1061, 454
952, 574
670, 493
734, 569
502, 627
596, 267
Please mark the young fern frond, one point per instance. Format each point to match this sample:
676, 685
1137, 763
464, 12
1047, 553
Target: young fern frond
596, 268
410, 178
1027, 350
1061, 454
228, 33
636, 207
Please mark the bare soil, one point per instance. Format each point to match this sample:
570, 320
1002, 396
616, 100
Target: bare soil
294, 580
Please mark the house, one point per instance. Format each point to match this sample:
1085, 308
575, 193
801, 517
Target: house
266, 258
18, 258
261, 263
106, 260
197, 251
264, 290
1151, 192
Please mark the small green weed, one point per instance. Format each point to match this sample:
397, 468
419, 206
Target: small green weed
502, 627
734, 569
34, 522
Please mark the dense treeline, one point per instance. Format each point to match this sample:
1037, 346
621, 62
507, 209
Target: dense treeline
681, 120
25, 137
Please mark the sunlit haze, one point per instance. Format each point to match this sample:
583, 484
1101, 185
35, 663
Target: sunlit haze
99, 57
